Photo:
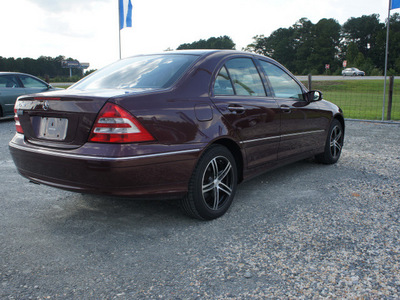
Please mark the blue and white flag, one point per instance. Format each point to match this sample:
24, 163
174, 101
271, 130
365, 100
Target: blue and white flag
395, 4
125, 14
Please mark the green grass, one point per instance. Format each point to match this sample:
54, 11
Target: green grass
360, 99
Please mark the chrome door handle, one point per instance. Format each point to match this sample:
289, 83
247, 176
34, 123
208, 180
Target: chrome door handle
237, 109
286, 109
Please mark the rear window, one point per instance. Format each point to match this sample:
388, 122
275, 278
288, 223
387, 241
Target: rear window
152, 71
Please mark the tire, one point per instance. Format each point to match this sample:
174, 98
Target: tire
212, 186
333, 144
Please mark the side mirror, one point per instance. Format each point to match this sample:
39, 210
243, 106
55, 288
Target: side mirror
313, 96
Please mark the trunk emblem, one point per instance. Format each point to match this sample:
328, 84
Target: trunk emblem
46, 105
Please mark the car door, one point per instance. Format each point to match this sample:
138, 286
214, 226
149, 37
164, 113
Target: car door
10, 90
239, 94
301, 124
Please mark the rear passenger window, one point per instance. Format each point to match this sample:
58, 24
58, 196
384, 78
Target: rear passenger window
245, 77
223, 84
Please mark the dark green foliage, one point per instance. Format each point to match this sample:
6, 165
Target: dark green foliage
222, 42
306, 47
41, 67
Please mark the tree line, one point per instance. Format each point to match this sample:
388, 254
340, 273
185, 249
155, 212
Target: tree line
43, 67
308, 48
304, 48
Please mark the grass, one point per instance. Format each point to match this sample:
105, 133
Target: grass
360, 99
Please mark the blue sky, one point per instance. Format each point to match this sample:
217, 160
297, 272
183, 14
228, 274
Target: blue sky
88, 29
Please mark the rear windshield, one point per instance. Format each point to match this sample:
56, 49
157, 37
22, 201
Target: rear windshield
152, 71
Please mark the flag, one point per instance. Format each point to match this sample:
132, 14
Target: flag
125, 13
395, 4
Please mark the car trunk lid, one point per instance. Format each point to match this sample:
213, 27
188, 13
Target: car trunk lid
61, 119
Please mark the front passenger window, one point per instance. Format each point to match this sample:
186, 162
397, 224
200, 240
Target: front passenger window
283, 85
30, 82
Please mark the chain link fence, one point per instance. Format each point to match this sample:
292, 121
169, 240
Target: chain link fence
360, 98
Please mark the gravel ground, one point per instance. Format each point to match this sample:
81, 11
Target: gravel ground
303, 231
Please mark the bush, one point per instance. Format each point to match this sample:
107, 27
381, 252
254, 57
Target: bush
375, 72
66, 79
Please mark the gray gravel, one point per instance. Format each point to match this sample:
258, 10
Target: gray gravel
303, 231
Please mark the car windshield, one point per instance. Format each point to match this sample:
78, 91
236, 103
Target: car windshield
151, 71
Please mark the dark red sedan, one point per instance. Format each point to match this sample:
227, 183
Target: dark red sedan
188, 124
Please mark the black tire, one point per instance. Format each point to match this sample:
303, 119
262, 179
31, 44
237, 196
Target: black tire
212, 186
333, 144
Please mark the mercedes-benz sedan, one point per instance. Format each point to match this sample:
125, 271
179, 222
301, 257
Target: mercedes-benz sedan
187, 124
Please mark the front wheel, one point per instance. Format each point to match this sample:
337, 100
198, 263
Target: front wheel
333, 145
212, 186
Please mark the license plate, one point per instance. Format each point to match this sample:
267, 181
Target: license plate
53, 128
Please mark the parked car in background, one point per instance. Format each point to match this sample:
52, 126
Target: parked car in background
187, 124
352, 72
13, 85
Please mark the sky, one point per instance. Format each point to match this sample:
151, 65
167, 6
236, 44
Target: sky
88, 30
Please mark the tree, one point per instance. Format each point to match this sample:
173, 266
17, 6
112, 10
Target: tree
42, 67
304, 47
368, 34
279, 46
394, 44
222, 42
325, 46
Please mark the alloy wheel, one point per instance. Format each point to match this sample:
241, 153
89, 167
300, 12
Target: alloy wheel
336, 141
217, 183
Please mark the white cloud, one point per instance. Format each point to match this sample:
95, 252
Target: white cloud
56, 6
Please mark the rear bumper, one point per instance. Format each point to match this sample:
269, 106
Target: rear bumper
112, 169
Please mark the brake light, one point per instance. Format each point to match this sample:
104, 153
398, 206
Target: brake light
116, 125
46, 98
18, 126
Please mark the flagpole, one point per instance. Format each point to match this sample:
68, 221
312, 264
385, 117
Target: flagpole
119, 43
119, 27
386, 60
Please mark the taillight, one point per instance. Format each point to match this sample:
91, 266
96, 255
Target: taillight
116, 125
18, 126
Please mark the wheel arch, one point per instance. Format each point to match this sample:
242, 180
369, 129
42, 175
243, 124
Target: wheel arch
341, 120
236, 152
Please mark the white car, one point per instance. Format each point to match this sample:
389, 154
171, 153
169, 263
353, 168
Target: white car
352, 72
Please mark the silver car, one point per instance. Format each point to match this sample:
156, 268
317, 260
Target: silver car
352, 72
13, 85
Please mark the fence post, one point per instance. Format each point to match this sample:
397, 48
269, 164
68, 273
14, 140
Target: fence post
389, 108
309, 81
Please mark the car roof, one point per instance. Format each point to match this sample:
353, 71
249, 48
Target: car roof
15, 73
200, 52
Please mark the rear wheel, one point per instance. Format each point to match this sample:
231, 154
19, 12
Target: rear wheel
212, 186
333, 145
